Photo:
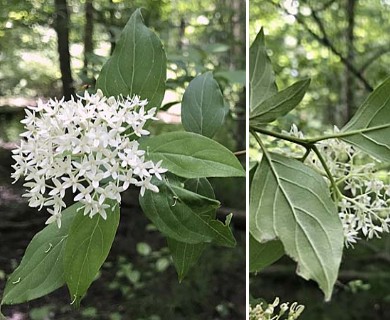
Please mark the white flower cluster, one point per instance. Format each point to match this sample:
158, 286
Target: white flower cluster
85, 145
260, 312
364, 207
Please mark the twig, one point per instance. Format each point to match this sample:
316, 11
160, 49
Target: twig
373, 58
326, 42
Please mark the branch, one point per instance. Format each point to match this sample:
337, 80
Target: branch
282, 271
324, 39
325, 5
373, 58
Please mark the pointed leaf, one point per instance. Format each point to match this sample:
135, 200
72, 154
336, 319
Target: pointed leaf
137, 65
261, 76
373, 121
180, 214
280, 103
41, 270
291, 202
88, 245
185, 255
262, 255
191, 155
203, 107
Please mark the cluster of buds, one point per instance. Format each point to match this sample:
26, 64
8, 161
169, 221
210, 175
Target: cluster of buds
268, 312
87, 145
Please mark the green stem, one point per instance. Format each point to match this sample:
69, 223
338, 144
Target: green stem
253, 132
302, 142
308, 150
336, 192
307, 143
347, 133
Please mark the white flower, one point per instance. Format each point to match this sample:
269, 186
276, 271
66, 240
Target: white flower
364, 208
84, 145
146, 185
156, 170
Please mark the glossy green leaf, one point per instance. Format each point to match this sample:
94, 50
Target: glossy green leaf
41, 270
191, 155
137, 65
291, 202
261, 76
88, 245
203, 107
185, 255
181, 214
372, 124
280, 103
262, 255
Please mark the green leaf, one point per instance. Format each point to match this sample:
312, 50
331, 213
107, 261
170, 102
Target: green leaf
232, 76
88, 245
291, 202
372, 124
201, 186
137, 65
203, 107
262, 255
181, 214
261, 76
280, 103
41, 270
185, 255
191, 155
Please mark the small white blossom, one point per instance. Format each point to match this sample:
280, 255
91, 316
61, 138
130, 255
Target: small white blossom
269, 312
84, 145
364, 207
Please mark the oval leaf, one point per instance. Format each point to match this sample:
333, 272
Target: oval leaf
262, 255
280, 103
203, 107
372, 124
181, 214
88, 245
137, 65
41, 270
261, 76
291, 202
185, 255
191, 155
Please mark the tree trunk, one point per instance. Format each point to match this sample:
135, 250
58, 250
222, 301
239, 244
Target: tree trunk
182, 32
112, 23
237, 62
62, 29
349, 77
88, 37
